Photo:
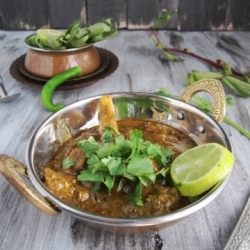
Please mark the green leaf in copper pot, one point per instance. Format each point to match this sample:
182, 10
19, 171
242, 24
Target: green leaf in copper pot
79, 42
100, 27
50, 38
33, 40
102, 30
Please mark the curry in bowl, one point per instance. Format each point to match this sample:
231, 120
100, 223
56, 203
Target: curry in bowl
119, 168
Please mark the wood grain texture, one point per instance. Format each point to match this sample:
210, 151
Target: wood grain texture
201, 15
98, 10
238, 15
192, 15
23, 14
141, 69
62, 15
142, 14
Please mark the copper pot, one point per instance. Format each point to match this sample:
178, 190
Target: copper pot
48, 63
201, 127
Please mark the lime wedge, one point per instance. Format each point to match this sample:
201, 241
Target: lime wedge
200, 168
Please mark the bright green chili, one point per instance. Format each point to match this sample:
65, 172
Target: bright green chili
53, 83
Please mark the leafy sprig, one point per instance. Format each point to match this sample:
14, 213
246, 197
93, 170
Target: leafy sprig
74, 37
123, 159
206, 105
237, 82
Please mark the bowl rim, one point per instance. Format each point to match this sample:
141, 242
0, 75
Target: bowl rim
56, 50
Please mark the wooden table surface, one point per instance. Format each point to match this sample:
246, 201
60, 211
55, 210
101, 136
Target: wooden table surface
141, 68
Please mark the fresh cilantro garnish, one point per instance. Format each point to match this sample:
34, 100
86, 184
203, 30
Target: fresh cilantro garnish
107, 135
131, 159
67, 163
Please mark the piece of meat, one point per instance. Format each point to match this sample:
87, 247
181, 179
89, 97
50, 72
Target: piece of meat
79, 159
63, 151
107, 114
65, 187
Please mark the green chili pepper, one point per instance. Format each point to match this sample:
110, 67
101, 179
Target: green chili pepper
53, 83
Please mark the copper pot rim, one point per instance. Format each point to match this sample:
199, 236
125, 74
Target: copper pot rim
56, 50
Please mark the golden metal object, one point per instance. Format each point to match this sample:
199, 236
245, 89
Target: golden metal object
9, 168
215, 89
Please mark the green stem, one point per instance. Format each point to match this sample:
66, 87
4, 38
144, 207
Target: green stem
237, 127
206, 109
217, 64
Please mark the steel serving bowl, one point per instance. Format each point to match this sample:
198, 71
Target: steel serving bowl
60, 126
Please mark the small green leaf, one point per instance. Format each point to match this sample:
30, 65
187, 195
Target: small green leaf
135, 195
89, 146
140, 165
88, 175
67, 162
107, 135
163, 17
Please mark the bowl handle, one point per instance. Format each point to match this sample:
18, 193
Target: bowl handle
10, 169
215, 89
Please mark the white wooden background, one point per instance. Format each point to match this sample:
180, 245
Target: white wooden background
141, 68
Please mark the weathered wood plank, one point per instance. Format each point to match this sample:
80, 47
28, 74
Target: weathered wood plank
202, 15
23, 14
238, 15
98, 10
142, 14
62, 14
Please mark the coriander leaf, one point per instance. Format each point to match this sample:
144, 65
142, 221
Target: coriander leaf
153, 150
107, 135
145, 179
120, 185
88, 146
140, 165
123, 146
108, 181
67, 163
115, 165
96, 164
135, 195
163, 172
164, 156
88, 175
105, 150
136, 139
130, 177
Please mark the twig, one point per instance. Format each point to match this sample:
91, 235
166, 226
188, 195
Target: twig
218, 64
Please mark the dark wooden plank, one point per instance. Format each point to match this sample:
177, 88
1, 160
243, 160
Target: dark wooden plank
142, 14
238, 18
62, 14
99, 9
23, 14
198, 15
